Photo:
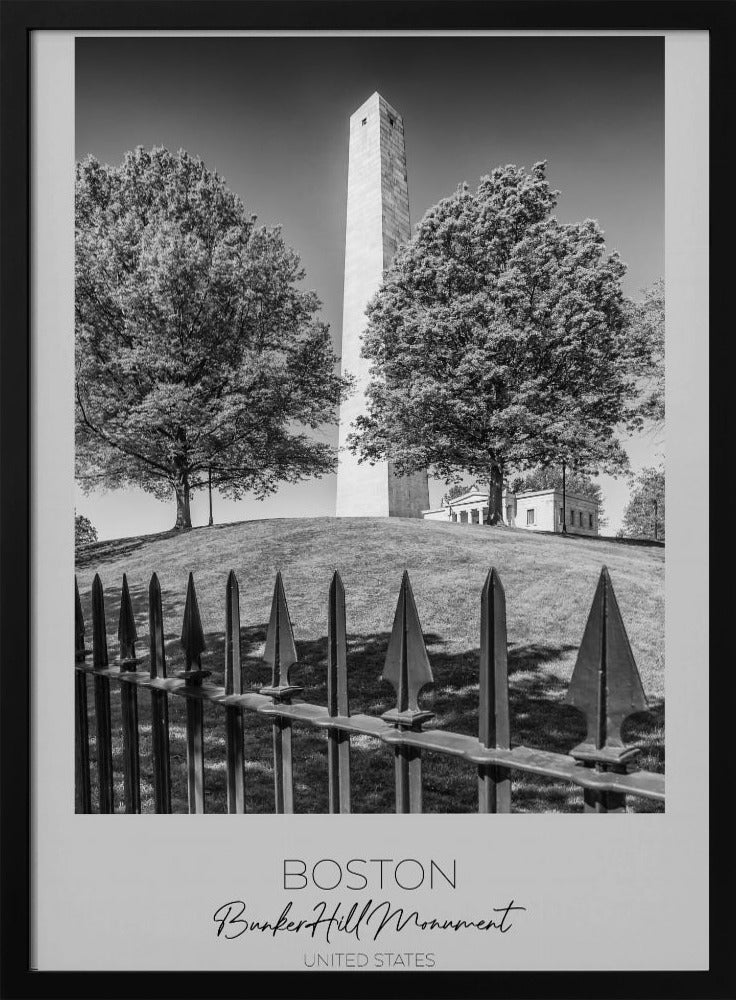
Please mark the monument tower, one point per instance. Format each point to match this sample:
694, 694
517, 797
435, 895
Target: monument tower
377, 222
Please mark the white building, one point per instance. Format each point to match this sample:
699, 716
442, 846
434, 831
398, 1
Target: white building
535, 510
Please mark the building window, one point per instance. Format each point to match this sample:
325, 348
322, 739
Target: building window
530, 516
474, 518
590, 520
453, 516
562, 514
364, 122
463, 517
572, 518
391, 122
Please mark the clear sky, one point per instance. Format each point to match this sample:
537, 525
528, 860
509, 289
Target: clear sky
271, 116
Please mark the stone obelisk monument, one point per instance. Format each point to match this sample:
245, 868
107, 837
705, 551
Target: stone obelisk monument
377, 222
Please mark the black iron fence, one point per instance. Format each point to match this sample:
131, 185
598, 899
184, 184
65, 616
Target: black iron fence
605, 687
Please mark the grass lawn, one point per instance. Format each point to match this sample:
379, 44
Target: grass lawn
549, 582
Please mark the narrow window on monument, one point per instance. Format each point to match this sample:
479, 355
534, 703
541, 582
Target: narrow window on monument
590, 520
391, 122
530, 516
561, 515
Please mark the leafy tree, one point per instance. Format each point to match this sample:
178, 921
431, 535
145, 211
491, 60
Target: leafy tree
195, 348
84, 531
648, 323
644, 513
455, 491
499, 341
550, 478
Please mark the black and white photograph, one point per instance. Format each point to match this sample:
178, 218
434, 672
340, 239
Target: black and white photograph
370, 425
357, 385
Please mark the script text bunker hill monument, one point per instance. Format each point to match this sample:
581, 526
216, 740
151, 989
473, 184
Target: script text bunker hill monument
377, 222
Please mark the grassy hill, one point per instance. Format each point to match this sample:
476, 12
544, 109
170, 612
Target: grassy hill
549, 582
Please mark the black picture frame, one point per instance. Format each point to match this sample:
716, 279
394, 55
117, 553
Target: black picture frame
19, 19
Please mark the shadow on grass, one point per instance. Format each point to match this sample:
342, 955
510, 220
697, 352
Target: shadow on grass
573, 536
539, 718
100, 553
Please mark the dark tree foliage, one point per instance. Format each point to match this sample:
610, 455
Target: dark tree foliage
500, 341
196, 349
455, 491
647, 318
84, 531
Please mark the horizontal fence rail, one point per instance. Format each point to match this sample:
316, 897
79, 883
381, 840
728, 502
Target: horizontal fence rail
605, 687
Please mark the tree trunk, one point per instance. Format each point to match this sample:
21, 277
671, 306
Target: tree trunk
183, 514
495, 495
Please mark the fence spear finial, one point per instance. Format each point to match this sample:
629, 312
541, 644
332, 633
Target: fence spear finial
280, 651
99, 629
79, 650
407, 664
126, 625
494, 727
605, 685
157, 645
233, 676
337, 666
192, 634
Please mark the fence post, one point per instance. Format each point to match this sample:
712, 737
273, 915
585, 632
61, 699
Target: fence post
606, 688
192, 639
407, 669
129, 704
338, 741
233, 685
280, 652
102, 699
159, 702
494, 783
82, 783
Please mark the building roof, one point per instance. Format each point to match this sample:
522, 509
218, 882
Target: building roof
467, 497
472, 496
524, 494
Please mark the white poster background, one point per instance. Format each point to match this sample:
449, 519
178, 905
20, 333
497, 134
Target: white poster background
624, 892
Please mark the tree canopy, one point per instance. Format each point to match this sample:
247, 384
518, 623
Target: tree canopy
84, 531
455, 491
196, 349
499, 341
644, 515
647, 318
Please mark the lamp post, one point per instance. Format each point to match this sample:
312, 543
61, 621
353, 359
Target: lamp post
209, 487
